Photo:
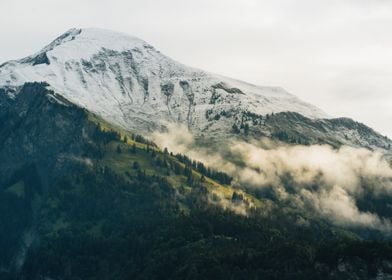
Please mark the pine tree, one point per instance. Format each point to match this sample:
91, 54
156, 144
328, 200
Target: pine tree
135, 165
235, 128
246, 129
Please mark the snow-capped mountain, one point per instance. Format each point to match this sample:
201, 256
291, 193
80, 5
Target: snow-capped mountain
130, 83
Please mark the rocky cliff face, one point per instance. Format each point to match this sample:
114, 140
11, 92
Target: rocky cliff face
129, 83
294, 128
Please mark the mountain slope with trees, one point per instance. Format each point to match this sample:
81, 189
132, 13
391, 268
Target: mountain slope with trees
81, 199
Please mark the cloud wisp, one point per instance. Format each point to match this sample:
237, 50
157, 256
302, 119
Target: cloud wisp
327, 180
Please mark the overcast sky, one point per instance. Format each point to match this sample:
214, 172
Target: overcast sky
336, 54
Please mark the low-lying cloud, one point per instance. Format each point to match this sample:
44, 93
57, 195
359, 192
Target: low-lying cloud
327, 180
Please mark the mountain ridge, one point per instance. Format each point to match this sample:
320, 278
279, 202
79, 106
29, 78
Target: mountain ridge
84, 197
129, 83
126, 71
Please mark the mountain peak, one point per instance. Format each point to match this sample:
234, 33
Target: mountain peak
83, 43
65, 37
128, 82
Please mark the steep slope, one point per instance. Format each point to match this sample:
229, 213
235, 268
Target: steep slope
52, 150
78, 200
130, 83
294, 128
44, 130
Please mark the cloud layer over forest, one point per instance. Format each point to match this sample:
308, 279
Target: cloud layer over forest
318, 177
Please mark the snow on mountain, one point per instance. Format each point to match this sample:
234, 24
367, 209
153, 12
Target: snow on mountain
130, 83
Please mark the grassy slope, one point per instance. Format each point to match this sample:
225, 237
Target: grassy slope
122, 163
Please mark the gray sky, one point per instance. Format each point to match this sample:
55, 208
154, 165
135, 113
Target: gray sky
336, 54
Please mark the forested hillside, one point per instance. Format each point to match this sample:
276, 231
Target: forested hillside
81, 199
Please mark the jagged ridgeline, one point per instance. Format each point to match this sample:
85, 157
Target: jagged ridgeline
81, 199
